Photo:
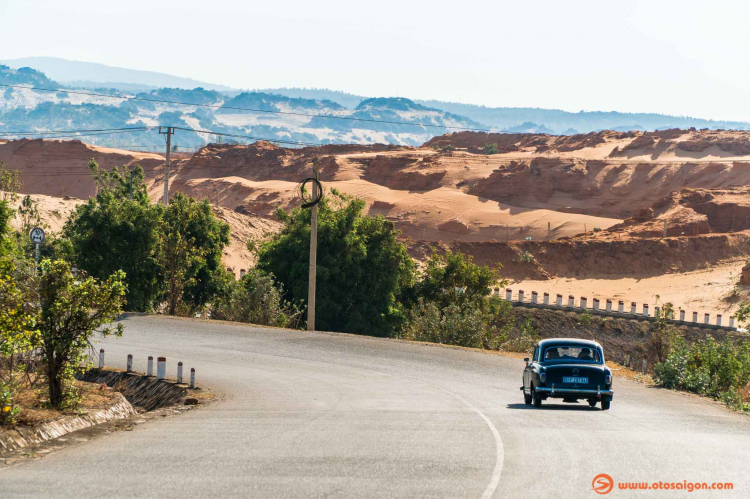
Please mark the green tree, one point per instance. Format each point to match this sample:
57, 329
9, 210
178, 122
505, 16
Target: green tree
6, 239
18, 331
111, 232
192, 241
70, 315
9, 183
363, 270
454, 276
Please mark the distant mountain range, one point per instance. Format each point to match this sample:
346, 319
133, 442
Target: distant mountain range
283, 110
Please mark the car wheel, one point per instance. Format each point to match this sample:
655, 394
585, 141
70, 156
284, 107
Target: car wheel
606, 404
592, 403
526, 398
536, 399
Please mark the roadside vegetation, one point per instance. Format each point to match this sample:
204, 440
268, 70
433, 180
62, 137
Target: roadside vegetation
122, 252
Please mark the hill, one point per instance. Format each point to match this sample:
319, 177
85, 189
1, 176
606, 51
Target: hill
95, 75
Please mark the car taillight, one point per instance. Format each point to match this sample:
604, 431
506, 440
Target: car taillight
608, 379
543, 377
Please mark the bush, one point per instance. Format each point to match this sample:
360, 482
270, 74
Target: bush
256, 299
526, 340
718, 370
468, 325
490, 148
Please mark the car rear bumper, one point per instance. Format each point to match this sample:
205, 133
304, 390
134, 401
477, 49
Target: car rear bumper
583, 393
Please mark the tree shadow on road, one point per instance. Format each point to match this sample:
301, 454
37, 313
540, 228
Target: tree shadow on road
555, 407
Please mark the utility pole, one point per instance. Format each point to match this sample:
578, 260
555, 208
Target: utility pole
169, 132
313, 253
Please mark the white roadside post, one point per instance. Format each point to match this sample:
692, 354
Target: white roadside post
596, 303
583, 302
520, 296
179, 372
609, 305
101, 358
571, 301
645, 309
150, 368
129, 365
242, 273
695, 316
621, 307
706, 319
534, 297
161, 368
682, 316
546, 298
633, 308
192, 377
656, 311
558, 302
731, 321
718, 319
508, 294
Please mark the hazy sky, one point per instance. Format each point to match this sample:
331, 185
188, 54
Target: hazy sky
679, 57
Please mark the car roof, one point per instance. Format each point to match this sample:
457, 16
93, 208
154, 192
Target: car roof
551, 342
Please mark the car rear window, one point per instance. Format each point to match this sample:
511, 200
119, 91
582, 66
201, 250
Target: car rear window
567, 353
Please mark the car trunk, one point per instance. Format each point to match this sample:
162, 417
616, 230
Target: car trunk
568, 375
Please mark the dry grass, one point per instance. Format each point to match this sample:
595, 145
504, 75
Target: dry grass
32, 402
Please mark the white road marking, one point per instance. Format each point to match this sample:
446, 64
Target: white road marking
489, 491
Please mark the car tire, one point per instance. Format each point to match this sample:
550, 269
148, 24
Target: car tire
592, 403
535, 399
606, 404
526, 398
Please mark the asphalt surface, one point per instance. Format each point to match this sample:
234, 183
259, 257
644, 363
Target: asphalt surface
325, 415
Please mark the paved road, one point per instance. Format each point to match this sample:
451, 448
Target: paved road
322, 415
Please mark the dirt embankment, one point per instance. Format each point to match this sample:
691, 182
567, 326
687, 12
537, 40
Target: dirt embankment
595, 258
60, 168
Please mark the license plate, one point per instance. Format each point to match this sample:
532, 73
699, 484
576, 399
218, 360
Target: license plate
575, 380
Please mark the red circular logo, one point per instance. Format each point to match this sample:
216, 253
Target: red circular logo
602, 484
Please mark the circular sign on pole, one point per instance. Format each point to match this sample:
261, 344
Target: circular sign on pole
37, 235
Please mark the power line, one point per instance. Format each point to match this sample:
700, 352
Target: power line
45, 132
265, 111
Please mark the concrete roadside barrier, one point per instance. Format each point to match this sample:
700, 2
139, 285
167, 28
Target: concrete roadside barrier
150, 367
101, 358
192, 377
179, 372
129, 364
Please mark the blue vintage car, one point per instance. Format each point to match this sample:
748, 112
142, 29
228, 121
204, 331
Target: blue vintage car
568, 369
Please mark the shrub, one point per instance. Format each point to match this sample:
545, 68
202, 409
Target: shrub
490, 148
526, 257
466, 325
256, 299
714, 369
526, 340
